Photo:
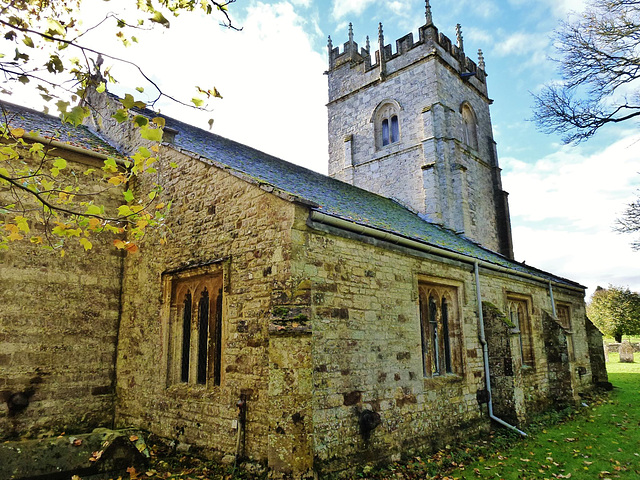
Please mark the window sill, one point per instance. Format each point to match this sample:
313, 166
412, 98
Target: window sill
189, 390
448, 378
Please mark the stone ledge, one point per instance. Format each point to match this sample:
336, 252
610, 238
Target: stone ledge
104, 453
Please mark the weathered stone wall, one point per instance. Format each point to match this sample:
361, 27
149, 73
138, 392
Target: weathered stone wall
596, 353
217, 216
506, 373
58, 329
367, 352
556, 349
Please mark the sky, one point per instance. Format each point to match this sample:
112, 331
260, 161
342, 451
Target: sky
563, 199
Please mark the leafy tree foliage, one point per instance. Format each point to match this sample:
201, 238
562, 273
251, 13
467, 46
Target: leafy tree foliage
600, 68
41, 199
615, 311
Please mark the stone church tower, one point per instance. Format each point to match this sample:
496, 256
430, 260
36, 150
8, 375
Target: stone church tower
414, 126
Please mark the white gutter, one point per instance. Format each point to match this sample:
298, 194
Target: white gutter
485, 356
407, 242
553, 302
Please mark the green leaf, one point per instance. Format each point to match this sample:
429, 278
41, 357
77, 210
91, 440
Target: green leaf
27, 41
159, 18
124, 211
54, 65
173, 164
60, 163
62, 106
140, 120
55, 27
110, 165
76, 115
94, 210
128, 195
101, 88
159, 121
144, 151
120, 115
129, 102
153, 134
197, 101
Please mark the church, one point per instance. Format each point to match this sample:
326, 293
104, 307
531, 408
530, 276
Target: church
309, 323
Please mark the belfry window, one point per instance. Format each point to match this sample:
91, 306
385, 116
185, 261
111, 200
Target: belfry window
469, 127
195, 330
387, 124
439, 328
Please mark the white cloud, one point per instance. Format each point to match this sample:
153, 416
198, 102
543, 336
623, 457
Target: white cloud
400, 8
558, 8
355, 7
521, 43
563, 208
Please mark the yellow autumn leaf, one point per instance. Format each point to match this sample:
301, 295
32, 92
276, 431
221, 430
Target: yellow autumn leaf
119, 243
86, 243
18, 132
117, 180
93, 223
131, 247
15, 236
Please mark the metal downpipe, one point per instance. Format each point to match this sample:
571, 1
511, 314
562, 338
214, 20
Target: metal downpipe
485, 356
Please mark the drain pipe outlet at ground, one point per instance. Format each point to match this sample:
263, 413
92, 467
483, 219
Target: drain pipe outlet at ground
485, 356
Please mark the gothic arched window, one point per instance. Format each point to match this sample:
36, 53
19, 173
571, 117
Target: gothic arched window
195, 344
519, 317
469, 127
439, 330
387, 123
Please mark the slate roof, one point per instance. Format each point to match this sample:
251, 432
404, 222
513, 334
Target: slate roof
331, 196
51, 127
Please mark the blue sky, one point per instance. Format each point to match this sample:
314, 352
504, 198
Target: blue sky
563, 199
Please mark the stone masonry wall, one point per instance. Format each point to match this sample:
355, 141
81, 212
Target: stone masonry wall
58, 329
367, 354
216, 216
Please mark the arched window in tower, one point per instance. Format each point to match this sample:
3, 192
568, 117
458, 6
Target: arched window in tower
469, 127
387, 123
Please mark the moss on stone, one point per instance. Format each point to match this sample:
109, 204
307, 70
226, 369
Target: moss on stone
495, 312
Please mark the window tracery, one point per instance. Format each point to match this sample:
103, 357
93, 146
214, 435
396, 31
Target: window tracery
195, 330
519, 315
387, 123
440, 331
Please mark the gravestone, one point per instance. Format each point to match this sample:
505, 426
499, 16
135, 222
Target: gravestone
626, 352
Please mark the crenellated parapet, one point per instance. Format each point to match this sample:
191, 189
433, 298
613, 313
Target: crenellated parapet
385, 60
